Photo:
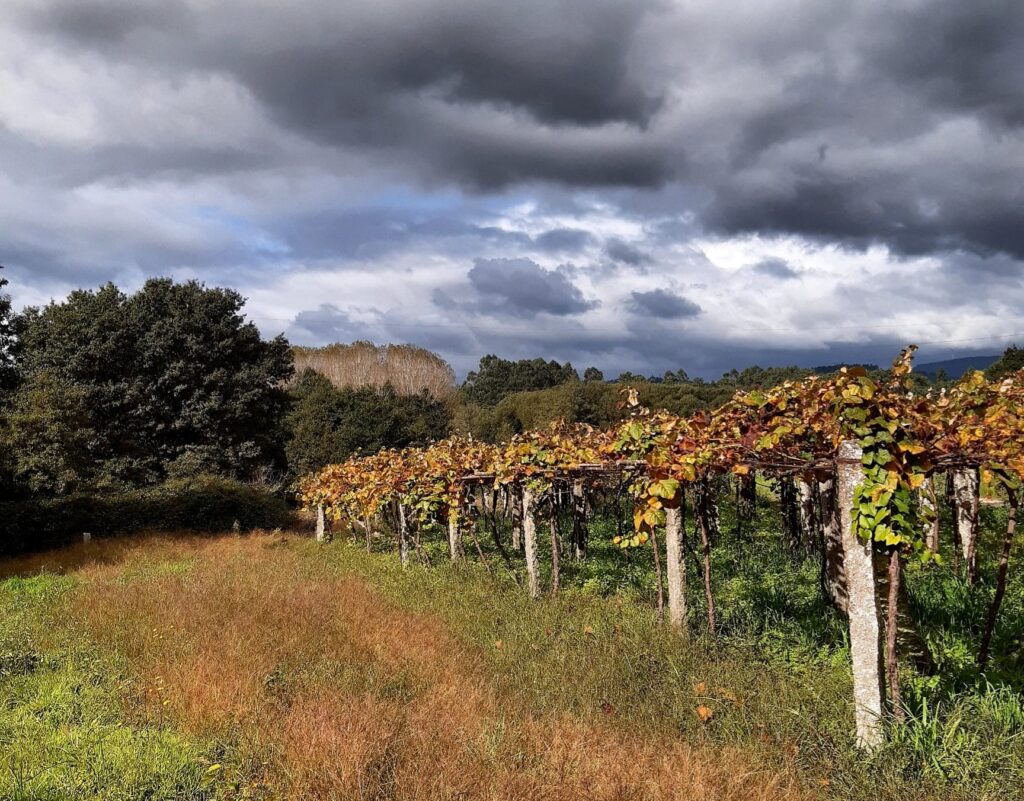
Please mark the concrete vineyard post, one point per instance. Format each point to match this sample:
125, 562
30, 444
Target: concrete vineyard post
454, 535
865, 626
321, 524
809, 522
579, 521
676, 568
517, 522
833, 570
530, 537
966, 489
926, 496
403, 536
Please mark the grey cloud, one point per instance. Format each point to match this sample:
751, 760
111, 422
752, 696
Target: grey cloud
625, 253
564, 240
663, 305
593, 94
775, 268
108, 24
965, 57
325, 324
367, 130
522, 287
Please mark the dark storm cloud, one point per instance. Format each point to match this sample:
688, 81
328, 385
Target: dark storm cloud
104, 23
594, 94
663, 305
775, 268
521, 287
483, 94
965, 57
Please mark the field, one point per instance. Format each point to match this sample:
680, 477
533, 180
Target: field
268, 666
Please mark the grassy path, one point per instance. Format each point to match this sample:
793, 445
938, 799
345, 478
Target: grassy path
266, 667
257, 668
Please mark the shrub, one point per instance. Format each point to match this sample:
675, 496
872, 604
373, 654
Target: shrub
200, 504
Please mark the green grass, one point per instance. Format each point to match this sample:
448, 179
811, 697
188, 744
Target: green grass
64, 731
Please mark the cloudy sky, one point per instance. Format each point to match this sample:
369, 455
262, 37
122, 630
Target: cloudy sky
644, 185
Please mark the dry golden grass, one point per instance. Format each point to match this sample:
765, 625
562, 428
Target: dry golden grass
325, 691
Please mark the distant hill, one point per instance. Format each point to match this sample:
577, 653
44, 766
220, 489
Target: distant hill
956, 367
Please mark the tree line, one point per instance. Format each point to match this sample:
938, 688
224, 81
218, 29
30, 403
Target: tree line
107, 391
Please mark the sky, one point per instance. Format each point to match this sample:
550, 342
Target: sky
643, 185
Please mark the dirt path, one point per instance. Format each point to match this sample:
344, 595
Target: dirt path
324, 690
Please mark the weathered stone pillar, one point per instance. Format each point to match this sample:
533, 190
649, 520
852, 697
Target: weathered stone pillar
809, 523
865, 626
833, 568
516, 504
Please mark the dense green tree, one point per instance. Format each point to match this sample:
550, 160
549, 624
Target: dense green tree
8, 340
175, 380
1011, 361
50, 436
327, 424
592, 375
751, 377
496, 378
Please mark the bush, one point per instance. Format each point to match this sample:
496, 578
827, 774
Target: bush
201, 504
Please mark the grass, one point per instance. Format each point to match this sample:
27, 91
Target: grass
270, 667
63, 733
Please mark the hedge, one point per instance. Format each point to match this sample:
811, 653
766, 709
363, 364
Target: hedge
202, 505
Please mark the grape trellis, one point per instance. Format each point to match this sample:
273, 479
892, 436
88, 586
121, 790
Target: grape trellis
867, 449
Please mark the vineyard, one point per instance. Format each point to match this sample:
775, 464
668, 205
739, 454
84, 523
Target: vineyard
856, 464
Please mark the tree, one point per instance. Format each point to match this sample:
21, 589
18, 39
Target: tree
407, 368
8, 341
1011, 361
592, 375
50, 435
629, 377
326, 424
175, 380
496, 377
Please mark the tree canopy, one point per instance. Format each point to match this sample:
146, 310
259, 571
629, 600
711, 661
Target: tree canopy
172, 378
328, 424
496, 378
8, 340
1011, 361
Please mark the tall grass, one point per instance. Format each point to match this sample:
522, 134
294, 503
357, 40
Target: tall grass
314, 685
